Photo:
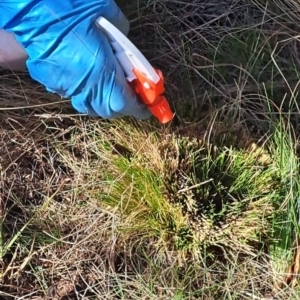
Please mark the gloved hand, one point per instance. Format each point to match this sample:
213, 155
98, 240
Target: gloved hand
70, 56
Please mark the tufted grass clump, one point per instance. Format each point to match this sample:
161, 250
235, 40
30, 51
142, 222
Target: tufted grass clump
188, 195
227, 195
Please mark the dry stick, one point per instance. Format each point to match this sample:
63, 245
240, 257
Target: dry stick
33, 106
195, 186
292, 274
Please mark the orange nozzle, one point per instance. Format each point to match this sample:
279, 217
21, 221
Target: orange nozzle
162, 110
150, 94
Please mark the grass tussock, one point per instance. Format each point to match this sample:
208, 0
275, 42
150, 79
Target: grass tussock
203, 208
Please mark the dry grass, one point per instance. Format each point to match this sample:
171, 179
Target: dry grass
94, 209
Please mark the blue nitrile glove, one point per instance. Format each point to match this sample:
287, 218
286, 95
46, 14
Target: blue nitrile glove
70, 56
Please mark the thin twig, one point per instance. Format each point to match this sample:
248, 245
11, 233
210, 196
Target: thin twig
195, 186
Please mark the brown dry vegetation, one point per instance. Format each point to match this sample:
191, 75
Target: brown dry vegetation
125, 209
